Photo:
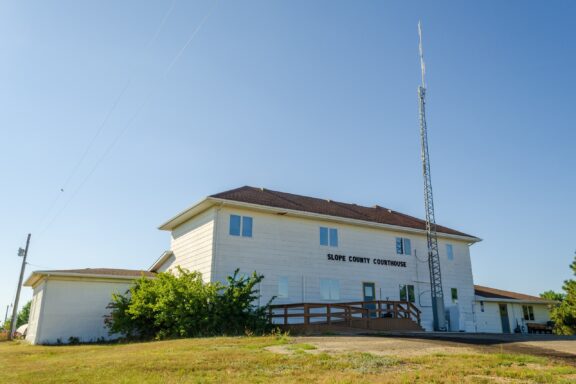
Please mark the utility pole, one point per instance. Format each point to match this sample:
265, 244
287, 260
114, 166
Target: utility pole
23, 253
6, 315
431, 235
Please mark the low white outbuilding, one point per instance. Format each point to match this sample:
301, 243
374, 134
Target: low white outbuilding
499, 311
73, 303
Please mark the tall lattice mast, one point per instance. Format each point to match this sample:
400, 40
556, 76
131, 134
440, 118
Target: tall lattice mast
432, 237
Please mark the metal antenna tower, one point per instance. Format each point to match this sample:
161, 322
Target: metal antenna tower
431, 235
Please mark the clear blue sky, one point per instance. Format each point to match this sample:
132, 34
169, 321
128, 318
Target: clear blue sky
315, 98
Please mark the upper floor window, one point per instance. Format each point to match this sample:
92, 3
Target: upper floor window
403, 246
407, 293
450, 251
528, 312
329, 289
240, 225
329, 236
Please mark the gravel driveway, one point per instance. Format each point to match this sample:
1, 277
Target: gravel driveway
415, 344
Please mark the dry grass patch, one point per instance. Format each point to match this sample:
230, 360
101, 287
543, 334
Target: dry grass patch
248, 360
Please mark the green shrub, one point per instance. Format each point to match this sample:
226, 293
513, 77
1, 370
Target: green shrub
182, 305
564, 313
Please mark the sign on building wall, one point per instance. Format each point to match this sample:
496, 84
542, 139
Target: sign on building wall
365, 260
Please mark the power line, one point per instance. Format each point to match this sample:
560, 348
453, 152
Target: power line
87, 150
135, 115
161, 25
102, 125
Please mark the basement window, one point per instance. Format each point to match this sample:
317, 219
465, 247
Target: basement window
403, 246
528, 312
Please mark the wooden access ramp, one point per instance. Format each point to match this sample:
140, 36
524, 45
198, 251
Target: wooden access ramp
376, 315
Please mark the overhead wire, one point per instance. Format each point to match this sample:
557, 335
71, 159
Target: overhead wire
104, 122
135, 115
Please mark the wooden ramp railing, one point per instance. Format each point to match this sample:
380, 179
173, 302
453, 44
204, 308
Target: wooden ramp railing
342, 313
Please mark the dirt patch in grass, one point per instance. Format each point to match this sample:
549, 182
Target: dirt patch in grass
380, 346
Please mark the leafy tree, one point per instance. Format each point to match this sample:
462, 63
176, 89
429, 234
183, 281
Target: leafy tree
182, 305
24, 314
564, 314
551, 295
21, 319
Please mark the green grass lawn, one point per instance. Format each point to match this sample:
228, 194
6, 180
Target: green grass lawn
246, 360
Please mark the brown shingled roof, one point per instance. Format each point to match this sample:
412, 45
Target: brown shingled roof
105, 271
283, 200
493, 293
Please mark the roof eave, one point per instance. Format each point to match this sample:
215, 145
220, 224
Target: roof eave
32, 279
187, 214
161, 260
38, 275
511, 300
305, 214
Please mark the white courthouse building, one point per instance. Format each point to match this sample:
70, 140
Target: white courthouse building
309, 250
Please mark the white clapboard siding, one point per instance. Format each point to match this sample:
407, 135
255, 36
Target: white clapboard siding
35, 310
489, 320
289, 246
192, 244
73, 308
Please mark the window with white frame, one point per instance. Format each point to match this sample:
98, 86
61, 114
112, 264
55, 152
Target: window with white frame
403, 246
329, 289
450, 251
283, 287
240, 226
407, 293
329, 236
528, 312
